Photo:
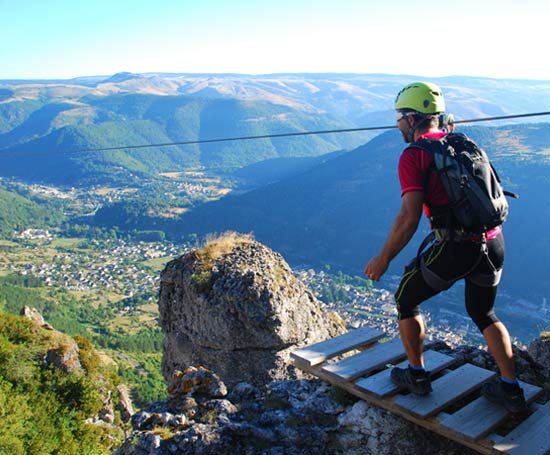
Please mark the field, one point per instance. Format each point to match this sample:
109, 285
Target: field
97, 275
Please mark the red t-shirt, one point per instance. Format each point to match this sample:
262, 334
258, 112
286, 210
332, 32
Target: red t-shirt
413, 167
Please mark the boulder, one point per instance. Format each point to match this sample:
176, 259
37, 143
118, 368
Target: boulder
124, 405
235, 307
33, 315
66, 356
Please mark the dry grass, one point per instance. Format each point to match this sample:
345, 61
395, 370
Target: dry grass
335, 317
218, 245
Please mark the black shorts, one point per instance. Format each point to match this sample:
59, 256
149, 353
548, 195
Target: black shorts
446, 262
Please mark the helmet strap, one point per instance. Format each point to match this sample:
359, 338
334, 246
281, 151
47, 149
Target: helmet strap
412, 129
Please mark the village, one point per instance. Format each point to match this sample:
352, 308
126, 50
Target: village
124, 267
131, 268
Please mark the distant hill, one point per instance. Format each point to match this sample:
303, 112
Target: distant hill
118, 120
41, 121
339, 212
273, 170
18, 212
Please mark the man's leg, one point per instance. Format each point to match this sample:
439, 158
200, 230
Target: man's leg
480, 306
412, 291
505, 391
413, 378
412, 335
411, 328
499, 344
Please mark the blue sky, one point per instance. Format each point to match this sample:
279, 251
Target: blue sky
70, 38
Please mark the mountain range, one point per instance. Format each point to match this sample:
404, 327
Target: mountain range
46, 126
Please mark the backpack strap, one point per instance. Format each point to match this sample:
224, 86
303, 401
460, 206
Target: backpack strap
440, 216
426, 144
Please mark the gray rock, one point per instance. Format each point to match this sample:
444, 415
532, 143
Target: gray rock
196, 381
243, 391
144, 420
540, 351
65, 357
239, 313
368, 430
221, 406
124, 405
32, 314
150, 442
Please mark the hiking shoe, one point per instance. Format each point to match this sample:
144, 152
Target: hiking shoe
417, 382
513, 401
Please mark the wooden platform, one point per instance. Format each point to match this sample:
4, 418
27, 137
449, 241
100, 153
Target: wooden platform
360, 363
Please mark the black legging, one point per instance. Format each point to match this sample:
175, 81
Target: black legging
451, 260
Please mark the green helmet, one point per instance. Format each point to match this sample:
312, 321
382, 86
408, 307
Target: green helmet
422, 97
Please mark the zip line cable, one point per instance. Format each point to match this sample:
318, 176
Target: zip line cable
263, 136
202, 141
502, 117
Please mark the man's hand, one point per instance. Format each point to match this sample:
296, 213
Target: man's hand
376, 267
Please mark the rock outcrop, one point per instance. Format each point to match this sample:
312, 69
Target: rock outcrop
33, 315
291, 417
540, 351
63, 353
234, 306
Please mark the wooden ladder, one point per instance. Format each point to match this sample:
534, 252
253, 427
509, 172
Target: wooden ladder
360, 363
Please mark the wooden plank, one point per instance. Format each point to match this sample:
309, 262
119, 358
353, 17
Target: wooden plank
481, 416
464, 378
430, 423
381, 385
532, 437
318, 353
446, 390
366, 361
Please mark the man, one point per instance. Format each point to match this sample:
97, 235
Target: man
454, 255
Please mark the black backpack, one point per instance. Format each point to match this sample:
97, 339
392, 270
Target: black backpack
477, 199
